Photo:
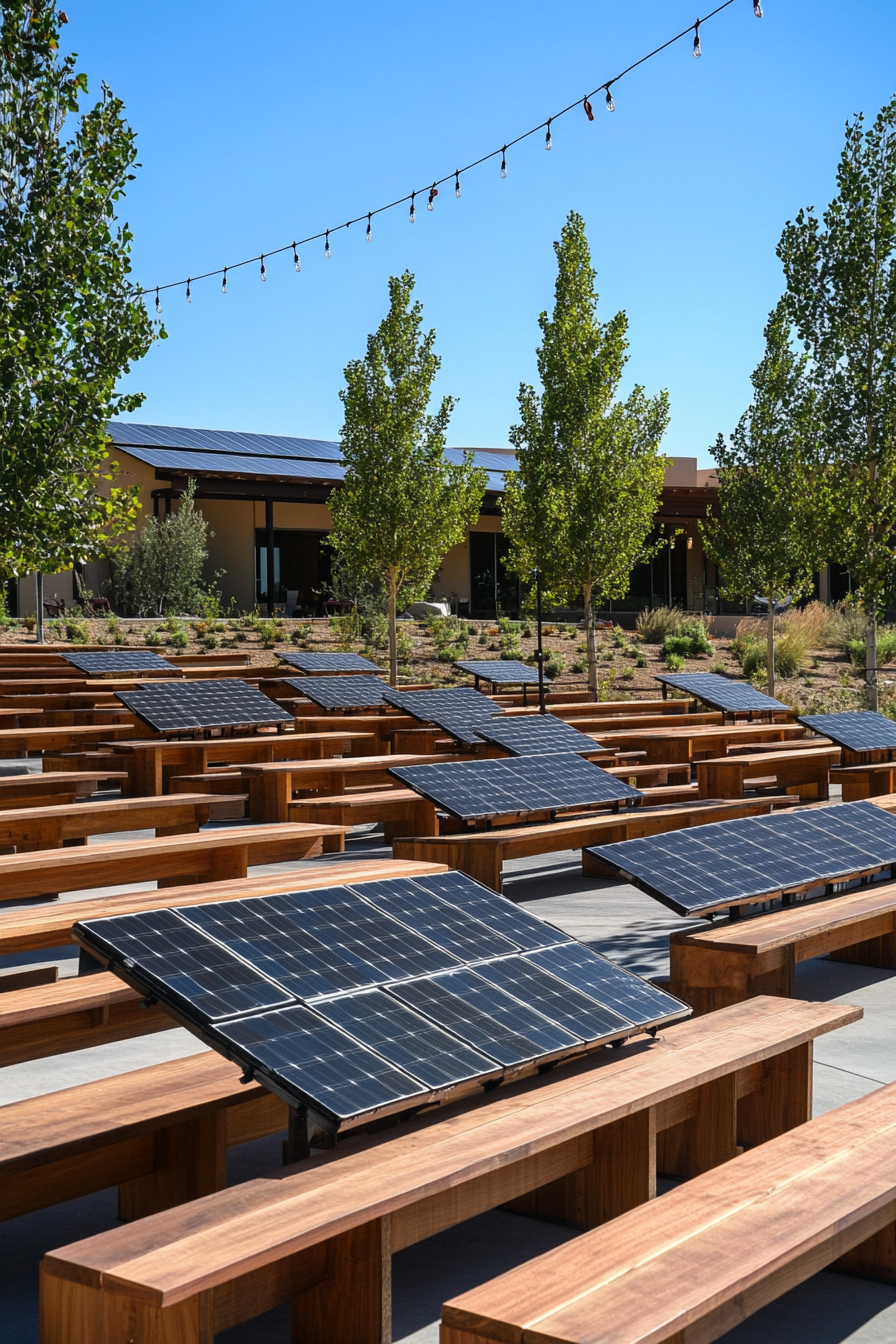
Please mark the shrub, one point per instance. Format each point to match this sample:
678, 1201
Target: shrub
452, 653
554, 665
77, 632
689, 640
641, 661
210, 640
886, 648
120, 637
620, 638
627, 673
718, 668
675, 662
406, 645
790, 655
180, 639
152, 638
653, 626
579, 666
270, 633
161, 571
483, 639
845, 624
302, 635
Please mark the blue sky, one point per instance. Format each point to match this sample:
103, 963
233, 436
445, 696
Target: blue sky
258, 124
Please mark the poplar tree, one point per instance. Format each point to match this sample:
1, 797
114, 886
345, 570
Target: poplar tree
582, 503
841, 292
765, 539
402, 505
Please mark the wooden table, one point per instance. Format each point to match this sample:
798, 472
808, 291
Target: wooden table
27, 790
21, 741
801, 772
271, 787
685, 743
35, 828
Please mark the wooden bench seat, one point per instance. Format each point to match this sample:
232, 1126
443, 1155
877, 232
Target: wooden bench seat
271, 787
72, 1014
89, 763
222, 783
802, 772
204, 857
27, 790
677, 742
36, 828
696, 1262
729, 962
578, 1144
21, 741
864, 781
160, 1134
482, 854
401, 811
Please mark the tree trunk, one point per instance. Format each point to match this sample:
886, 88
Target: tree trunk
39, 581
770, 648
871, 658
589, 641
393, 634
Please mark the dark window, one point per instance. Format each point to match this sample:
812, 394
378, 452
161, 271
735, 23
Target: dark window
841, 583
301, 565
493, 589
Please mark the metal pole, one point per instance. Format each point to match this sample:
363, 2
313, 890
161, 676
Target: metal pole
269, 543
40, 608
539, 655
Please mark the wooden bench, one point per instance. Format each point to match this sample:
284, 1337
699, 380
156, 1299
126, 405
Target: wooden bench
729, 962
401, 811
482, 854
160, 1134
206, 856
578, 1144
678, 743
802, 772
26, 790
36, 828
696, 1262
21, 741
864, 781
72, 1014
222, 783
271, 787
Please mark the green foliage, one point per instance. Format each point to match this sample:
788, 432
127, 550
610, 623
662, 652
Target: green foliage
452, 653
211, 641
554, 664
483, 638
718, 668
583, 500
271, 632
580, 665
160, 573
847, 624
627, 673
641, 661
690, 639
653, 625
752, 654
675, 662
402, 504
841, 292
77, 631
302, 634
70, 323
405, 645
179, 639
153, 637
886, 648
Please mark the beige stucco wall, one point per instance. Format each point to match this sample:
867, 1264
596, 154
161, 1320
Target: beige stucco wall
454, 576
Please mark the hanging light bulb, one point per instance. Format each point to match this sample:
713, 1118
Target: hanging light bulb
189, 295
433, 193
158, 301
547, 138
757, 8
412, 217
367, 234
264, 274
327, 244
224, 282
611, 106
698, 51
457, 183
295, 258
504, 161
589, 110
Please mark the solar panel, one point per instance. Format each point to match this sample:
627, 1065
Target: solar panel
535, 735
501, 671
328, 662
457, 710
186, 706
358, 692
353, 1002
729, 863
122, 660
720, 693
857, 730
472, 790
634, 999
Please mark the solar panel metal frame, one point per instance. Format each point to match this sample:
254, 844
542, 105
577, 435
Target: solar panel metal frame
118, 660
321, 663
182, 706
510, 672
520, 736
355, 692
735, 850
854, 729
434, 782
731, 697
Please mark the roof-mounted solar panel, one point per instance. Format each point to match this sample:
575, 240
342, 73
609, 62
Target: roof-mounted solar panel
323, 663
732, 697
192, 706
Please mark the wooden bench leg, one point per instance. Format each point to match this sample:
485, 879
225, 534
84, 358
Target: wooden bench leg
779, 1096
483, 862
353, 1304
707, 1134
872, 1259
191, 1161
73, 1313
872, 952
708, 978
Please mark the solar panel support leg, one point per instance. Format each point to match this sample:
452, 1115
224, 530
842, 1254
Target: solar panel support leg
297, 1145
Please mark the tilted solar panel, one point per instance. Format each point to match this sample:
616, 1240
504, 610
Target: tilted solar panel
501, 671
354, 1002
455, 702
721, 693
857, 730
328, 662
626, 993
492, 788
536, 734
121, 660
730, 863
185, 706
359, 692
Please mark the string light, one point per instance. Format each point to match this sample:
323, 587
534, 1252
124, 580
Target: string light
585, 102
158, 301
367, 234
757, 8
295, 258
224, 282
412, 217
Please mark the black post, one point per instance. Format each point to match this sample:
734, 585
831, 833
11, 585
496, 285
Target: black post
39, 582
539, 655
269, 543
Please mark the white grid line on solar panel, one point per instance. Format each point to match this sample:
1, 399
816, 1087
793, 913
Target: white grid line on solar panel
407, 1039
536, 735
492, 1020
500, 670
319, 1062
203, 704
858, 730
721, 693
446, 925
491, 788
613, 986
136, 660
328, 662
359, 692
497, 912
728, 862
